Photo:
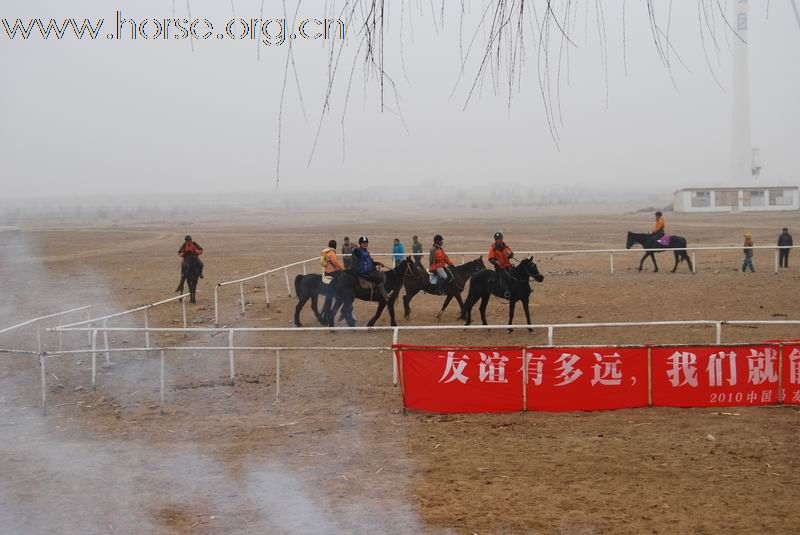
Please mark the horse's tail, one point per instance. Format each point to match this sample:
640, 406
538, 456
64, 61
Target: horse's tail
297, 280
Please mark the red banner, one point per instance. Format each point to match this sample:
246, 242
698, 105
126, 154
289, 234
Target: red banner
586, 379
791, 375
502, 379
709, 376
462, 380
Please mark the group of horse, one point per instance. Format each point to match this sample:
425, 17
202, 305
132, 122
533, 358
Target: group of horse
483, 283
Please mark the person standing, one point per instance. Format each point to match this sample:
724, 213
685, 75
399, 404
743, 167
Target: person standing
784, 240
748, 253
398, 251
416, 249
347, 252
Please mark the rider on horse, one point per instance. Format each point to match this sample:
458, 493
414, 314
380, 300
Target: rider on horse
191, 248
439, 263
333, 266
660, 228
365, 266
500, 255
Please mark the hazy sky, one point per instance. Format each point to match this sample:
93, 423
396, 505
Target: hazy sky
109, 116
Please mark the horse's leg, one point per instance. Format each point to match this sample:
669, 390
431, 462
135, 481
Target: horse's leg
512, 304
677, 259
180, 284
192, 290
526, 308
484, 303
688, 261
407, 301
301, 302
653, 257
466, 308
381, 306
390, 306
315, 307
460, 305
337, 303
444, 306
641, 262
347, 313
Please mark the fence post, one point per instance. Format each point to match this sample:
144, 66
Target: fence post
230, 355
395, 335
146, 326
463, 260
776, 259
162, 381
216, 305
89, 333
780, 375
44, 384
525, 379
241, 297
60, 336
94, 358
266, 290
611, 261
694, 263
38, 337
105, 341
304, 269
550, 330
277, 374
183, 313
718, 328
288, 286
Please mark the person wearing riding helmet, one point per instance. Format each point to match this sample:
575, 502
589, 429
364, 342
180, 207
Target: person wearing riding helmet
440, 262
366, 268
189, 248
500, 255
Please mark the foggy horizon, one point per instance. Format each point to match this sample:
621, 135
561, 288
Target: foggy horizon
127, 118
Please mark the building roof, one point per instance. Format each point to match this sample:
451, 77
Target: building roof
728, 188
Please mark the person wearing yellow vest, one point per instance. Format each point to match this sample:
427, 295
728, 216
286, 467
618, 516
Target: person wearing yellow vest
331, 262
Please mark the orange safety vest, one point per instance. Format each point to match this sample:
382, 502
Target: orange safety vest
501, 256
440, 260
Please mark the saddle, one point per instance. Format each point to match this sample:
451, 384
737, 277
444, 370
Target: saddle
664, 240
326, 279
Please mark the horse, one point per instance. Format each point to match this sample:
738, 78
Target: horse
484, 283
419, 281
647, 242
190, 273
348, 288
310, 287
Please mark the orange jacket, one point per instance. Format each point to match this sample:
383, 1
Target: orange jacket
501, 256
332, 261
440, 260
660, 223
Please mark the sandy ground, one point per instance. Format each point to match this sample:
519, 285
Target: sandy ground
335, 452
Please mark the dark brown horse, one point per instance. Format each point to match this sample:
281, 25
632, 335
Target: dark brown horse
190, 273
348, 288
419, 281
647, 242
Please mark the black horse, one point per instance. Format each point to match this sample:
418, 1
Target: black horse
348, 288
419, 281
310, 287
484, 283
647, 242
190, 273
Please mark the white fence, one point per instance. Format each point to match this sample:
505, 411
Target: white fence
463, 255
38, 323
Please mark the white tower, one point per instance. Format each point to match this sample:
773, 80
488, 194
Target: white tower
741, 148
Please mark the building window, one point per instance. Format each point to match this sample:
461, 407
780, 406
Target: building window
754, 198
780, 197
726, 198
701, 199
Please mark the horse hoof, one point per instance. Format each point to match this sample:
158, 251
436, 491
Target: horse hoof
510, 331
530, 331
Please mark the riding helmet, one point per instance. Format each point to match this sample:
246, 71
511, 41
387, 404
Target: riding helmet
438, 238
187, 238
498, 235
363, 239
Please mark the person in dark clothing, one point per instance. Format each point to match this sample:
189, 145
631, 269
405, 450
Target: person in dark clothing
191, 247
784, 240
416, 249
347, 252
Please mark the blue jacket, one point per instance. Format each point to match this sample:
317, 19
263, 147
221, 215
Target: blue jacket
362, 261
399, 253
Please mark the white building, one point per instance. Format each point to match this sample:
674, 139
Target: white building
743, 199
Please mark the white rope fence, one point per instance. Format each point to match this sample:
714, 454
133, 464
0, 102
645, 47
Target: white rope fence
471, 254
